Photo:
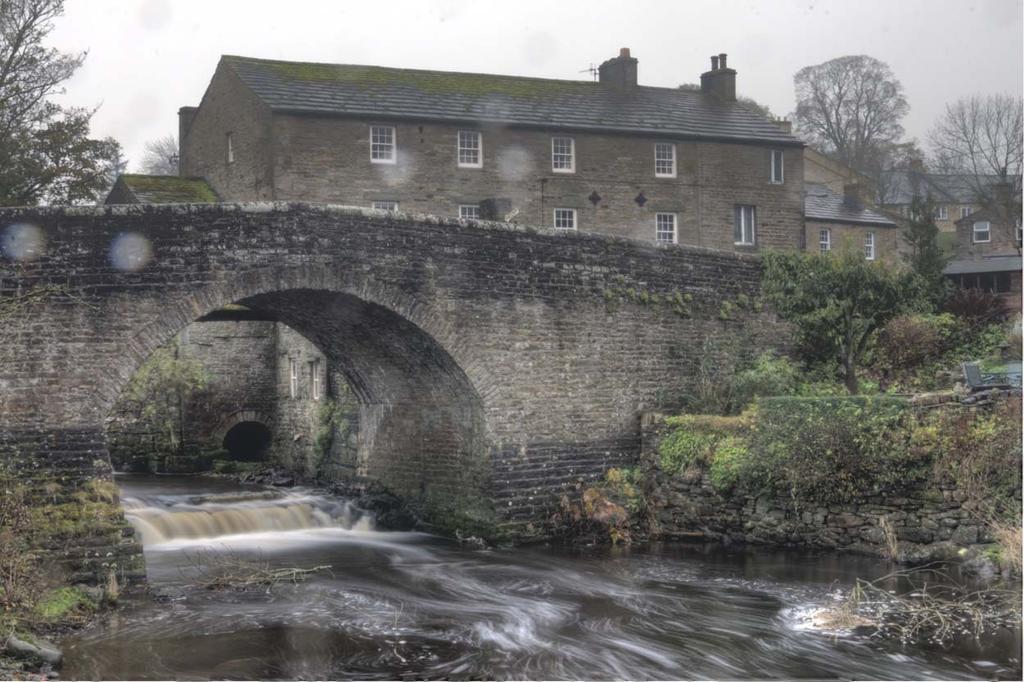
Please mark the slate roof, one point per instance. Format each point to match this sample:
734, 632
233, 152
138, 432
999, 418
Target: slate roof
376, 91
944, 188
821, 203
168, 189
982, 265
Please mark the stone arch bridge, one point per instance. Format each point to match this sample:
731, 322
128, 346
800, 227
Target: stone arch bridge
497, 367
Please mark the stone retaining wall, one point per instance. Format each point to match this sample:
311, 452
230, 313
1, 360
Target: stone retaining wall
925, 522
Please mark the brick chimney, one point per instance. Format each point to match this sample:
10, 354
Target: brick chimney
854, 196
185, 117
619, 72
720, 81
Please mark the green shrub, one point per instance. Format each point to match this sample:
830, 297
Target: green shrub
730, 463
825, 450
909, 341
693, 439
769, 376
682, 448
980, 452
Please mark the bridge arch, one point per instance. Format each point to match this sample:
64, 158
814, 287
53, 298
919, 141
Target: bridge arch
422, 426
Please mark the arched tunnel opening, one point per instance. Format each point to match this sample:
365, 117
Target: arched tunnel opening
247, 442
372, 397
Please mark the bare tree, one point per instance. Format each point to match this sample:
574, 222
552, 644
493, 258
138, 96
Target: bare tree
849, 107
161, 156
982, 138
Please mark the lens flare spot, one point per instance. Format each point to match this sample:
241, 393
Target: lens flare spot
23, 242
130, 252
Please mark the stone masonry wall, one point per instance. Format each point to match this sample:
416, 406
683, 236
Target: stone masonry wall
928, 522
247, 364
887, 239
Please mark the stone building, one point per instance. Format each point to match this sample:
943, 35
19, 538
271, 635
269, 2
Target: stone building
612, 156
988, 249
844, 220
954, 196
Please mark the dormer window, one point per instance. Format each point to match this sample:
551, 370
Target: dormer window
382, 144
982, 233
563, 155
471, 149
229, 149
777, 171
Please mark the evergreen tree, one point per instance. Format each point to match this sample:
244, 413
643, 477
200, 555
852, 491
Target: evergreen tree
925, 256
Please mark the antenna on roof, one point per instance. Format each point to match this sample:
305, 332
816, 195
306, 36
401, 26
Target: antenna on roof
592, 70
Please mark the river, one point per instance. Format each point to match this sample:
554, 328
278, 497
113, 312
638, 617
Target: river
409, 605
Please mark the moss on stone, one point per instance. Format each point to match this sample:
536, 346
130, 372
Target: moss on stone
170, 189
64, 603
430, 82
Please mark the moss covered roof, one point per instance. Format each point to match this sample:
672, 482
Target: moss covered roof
413, 94
169, 189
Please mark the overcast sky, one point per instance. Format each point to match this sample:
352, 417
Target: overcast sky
149, 57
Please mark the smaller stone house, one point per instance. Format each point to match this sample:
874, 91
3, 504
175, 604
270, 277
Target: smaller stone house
988, 251
834, 221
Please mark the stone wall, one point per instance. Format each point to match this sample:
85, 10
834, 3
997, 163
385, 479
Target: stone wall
927, 522
247, 365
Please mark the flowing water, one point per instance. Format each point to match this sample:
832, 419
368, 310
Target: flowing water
409, 605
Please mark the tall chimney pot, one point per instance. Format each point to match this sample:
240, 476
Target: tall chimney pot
720, 81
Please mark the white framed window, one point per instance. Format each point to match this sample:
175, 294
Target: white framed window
1019, 230
965, 211
869, 246
382, 144
942, 213
664, 160
293, 377
825, 240
469, 211
229, 152
665, 228
563, 155
982, 233
745, 225
314, 378
777, 169
471, 149
385, 205
565, 219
